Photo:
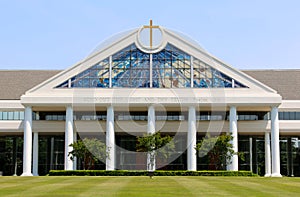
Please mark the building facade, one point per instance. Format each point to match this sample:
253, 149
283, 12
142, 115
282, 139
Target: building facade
142, 81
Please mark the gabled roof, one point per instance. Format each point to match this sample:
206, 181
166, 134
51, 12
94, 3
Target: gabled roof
170, 37
14, 83
285, 82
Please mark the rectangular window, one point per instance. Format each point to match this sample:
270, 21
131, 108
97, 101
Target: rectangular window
16, 115
297, 115
1, 115
60, 117
48, 117
21, 115
5, 114
292, 115
286, 116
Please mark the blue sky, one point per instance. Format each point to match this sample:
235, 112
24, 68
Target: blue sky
37, 34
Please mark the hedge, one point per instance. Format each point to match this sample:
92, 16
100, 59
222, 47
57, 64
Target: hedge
146, 173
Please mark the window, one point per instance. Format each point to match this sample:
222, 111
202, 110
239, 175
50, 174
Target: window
214, 116
205, 76
171, 68
289, 115
130, 68
244, 115
58, 116
11, 115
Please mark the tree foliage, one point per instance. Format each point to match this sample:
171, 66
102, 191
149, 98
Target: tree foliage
218, 149
156, 145
89, 151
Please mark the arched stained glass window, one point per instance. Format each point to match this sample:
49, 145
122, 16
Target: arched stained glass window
171, 68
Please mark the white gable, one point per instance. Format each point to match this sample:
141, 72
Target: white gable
48, 88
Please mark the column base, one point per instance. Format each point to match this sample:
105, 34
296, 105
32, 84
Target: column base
35, 175
26, 174
276, 175
267, 175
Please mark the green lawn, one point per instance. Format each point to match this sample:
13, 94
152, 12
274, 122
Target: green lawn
144, 186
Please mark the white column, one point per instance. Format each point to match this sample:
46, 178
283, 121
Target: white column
191, 140
110, 139
251, 153
234, 166
27, 150
267, 155
75, 158
151, 120
35, 154
275, 143
151, 130
69, 138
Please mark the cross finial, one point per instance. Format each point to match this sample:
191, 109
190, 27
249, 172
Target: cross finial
151, 27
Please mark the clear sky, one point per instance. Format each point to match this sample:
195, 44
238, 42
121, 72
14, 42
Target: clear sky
55, 34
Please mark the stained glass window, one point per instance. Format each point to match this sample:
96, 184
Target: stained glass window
171, 68
95, 76
130, 68
207, 77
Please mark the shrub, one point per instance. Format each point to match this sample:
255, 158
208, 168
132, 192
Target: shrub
145, 173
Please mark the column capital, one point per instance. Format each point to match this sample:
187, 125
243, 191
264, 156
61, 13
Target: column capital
232, 106
69, 106
26, 105
192, 106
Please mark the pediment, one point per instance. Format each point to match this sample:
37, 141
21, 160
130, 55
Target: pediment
180, 57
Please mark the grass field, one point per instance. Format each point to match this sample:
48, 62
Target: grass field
144, 186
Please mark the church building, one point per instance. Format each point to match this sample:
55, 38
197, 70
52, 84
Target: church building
146, 80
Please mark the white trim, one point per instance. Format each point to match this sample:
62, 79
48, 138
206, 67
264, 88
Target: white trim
154, 49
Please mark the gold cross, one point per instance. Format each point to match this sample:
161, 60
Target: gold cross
151, 27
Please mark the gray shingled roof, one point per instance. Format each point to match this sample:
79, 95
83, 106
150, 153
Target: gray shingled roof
14, 83
285, 82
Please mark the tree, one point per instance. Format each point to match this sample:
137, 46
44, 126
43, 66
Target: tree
89, 151
218, 149
155, 145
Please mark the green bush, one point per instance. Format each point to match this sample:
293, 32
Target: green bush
145, 173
